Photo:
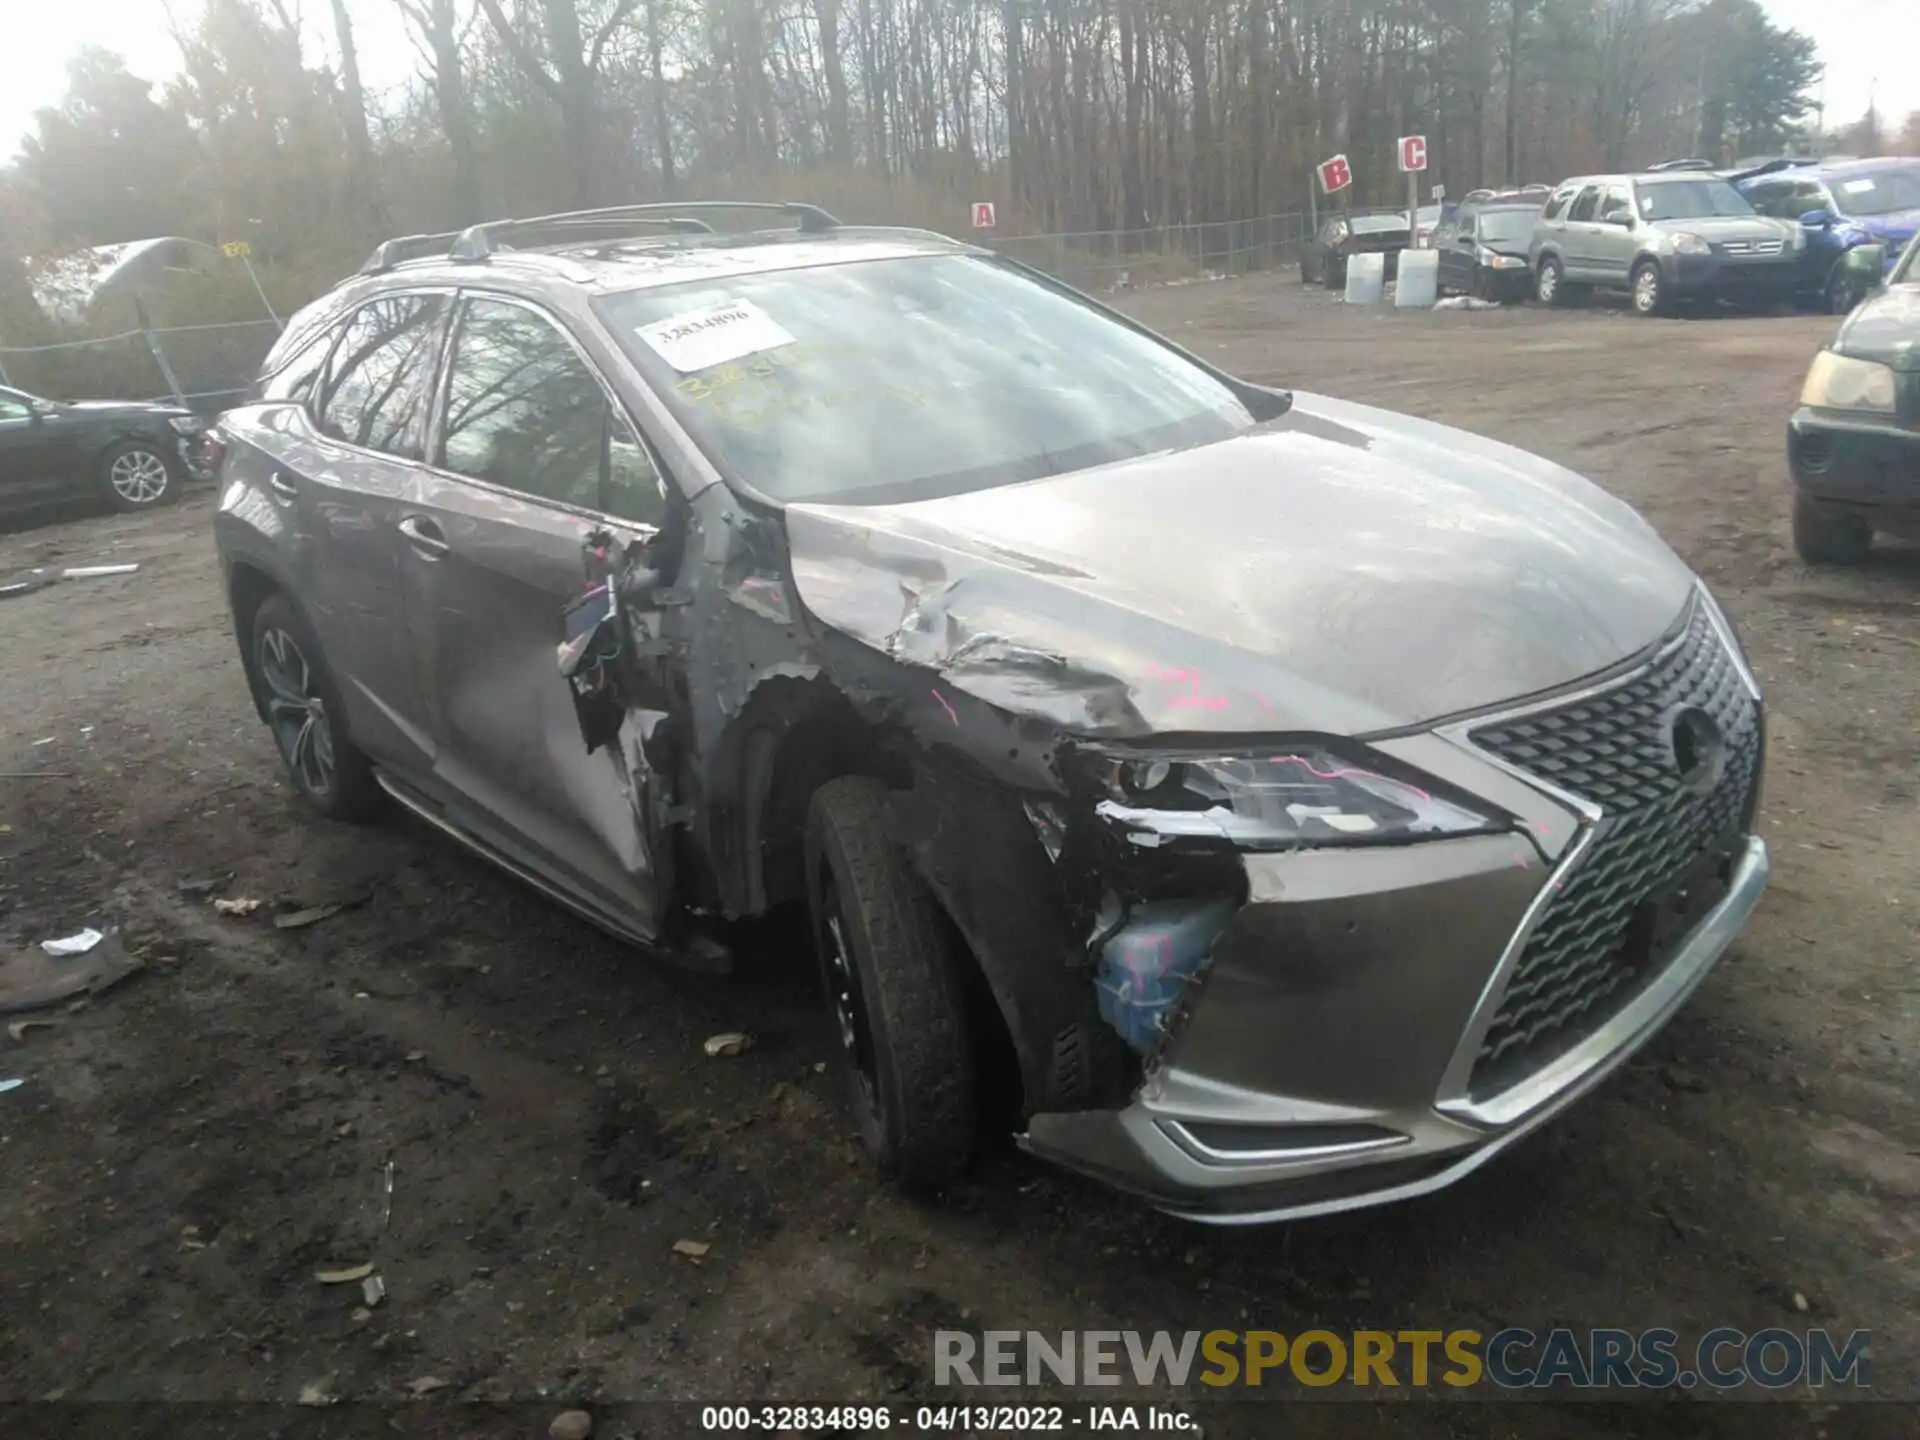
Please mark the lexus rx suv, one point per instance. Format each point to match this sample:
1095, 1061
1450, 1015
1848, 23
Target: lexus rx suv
1294, 803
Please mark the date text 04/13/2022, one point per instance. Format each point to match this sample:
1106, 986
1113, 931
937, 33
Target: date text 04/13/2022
958, 1419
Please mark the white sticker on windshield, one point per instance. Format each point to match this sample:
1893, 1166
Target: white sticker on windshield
1855, 187
701, 339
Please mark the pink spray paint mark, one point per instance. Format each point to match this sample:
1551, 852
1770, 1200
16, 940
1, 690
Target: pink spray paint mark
1310, 768
952, 714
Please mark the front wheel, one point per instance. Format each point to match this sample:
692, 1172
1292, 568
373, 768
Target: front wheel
894, 983
1839, 295
138, 475
1649, 290
1550, 284
302, 706
1829, 534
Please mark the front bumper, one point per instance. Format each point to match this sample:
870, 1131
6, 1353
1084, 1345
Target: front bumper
1855, 459
1719, 278
1374, 1023
1327, 1157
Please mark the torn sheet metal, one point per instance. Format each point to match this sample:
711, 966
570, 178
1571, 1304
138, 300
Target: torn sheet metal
1464, 573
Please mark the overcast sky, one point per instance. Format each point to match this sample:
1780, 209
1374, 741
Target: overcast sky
1871, 48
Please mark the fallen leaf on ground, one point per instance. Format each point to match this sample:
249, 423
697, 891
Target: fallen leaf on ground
693, 1249
300, 919
344, 1276
724, 1046
19, 1028
320, 1392
373, 1290
426, 1385
236, 907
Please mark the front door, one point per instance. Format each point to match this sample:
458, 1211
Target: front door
1581, 245
1615, 241
531, 456
33, 454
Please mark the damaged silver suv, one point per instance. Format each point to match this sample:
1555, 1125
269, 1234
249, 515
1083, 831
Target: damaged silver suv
1300, 801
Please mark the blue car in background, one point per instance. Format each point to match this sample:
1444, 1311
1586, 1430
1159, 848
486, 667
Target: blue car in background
1843, 204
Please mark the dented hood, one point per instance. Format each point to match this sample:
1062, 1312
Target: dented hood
1342, 570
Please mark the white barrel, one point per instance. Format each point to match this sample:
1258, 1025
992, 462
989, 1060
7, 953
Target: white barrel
1419, 282
1366, 278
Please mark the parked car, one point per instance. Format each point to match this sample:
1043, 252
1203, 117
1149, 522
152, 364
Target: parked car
1854, 442
1843, 207
1292, 803
1484, 248
131, 454
1341, 237
1666, 238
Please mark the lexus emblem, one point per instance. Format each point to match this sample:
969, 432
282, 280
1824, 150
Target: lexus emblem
1697, 749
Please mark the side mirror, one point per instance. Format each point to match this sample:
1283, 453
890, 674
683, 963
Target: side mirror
1817, 219
1622, 218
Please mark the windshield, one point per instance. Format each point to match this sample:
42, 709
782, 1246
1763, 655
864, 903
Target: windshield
880, 381
1690, 200
1881, 193
1507, 227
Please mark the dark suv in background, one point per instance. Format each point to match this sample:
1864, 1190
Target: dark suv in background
1666, 238
1295, 802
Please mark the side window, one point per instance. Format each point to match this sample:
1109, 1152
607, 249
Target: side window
379, 381
525, 412
1618, 204
297, 374
1583, 208
1557, 206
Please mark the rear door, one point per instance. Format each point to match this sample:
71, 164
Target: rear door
531, 453
343, 463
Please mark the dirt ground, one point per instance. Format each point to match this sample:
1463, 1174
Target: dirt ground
191, 1146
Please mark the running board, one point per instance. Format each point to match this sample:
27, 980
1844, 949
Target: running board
425, 809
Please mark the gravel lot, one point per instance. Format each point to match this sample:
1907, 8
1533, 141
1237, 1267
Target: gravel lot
192, 1145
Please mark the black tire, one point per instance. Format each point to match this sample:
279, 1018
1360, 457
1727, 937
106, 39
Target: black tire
1648, 288
139, 475
1829, 534
893, 979
1839, 297
297, 693
1550, 285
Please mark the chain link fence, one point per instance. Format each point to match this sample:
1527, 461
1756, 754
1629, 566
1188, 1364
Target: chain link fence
204, 367
1106, 260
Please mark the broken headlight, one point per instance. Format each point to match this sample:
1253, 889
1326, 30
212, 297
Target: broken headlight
1300, 796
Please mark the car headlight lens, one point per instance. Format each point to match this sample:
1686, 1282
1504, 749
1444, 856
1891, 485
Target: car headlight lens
186, 424
1494, 260
1294, 797
1688, 243
1839, 382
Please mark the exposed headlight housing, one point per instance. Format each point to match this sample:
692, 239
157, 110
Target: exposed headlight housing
1687, 243
1283, 798
1839, 382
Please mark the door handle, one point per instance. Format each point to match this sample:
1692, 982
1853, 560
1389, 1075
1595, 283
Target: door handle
281, 486
424, 536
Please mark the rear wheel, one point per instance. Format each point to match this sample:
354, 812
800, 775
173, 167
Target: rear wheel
895, 987
138, 475
303, 711
1827, 534
1839, 294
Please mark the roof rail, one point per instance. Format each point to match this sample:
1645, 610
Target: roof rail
1681, 165
389, 253
476, 242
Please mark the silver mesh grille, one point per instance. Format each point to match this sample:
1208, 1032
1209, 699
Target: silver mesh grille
1598, 940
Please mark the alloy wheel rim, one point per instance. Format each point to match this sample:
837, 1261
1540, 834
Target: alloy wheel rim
1549, 282
1646, 290
843, 982
297, 712
139, 477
